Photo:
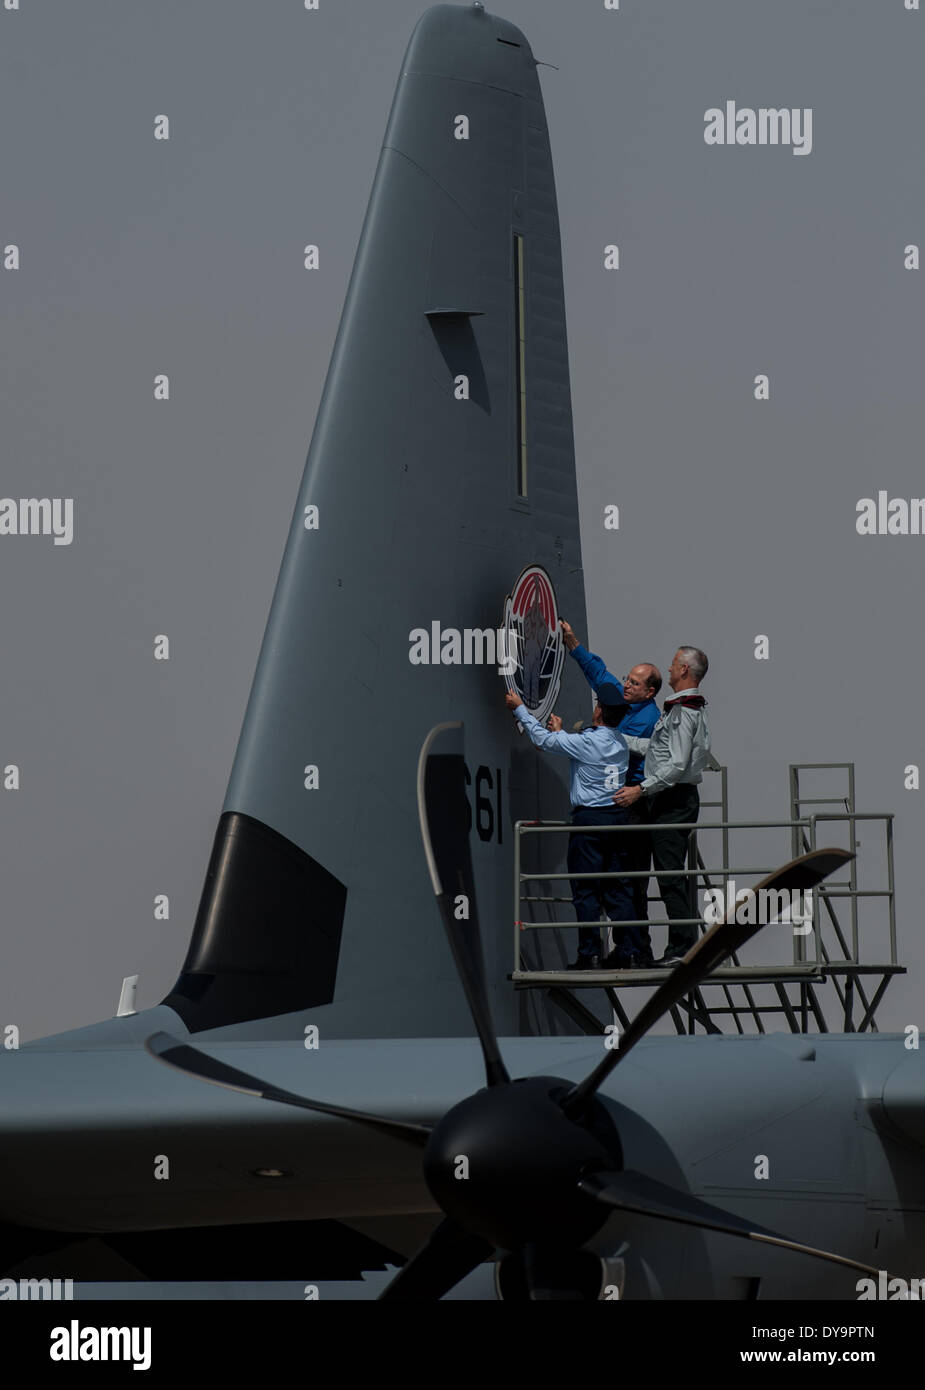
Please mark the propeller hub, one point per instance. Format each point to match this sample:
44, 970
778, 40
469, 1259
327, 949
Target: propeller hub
505, 1163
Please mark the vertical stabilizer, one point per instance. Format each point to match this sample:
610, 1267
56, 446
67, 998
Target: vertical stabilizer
440, 470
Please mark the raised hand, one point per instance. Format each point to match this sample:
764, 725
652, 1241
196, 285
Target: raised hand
568, 636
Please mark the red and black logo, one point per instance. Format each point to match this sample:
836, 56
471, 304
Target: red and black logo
534, 652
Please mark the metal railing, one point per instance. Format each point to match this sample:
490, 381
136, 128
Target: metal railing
851, 890
804, 836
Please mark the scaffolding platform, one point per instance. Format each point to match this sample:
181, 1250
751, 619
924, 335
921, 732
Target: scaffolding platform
827, 968
750, 974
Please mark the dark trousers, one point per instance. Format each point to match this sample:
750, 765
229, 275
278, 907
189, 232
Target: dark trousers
669, 851
588, 854
639, 855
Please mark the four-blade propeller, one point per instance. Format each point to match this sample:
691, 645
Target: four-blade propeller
543, 1156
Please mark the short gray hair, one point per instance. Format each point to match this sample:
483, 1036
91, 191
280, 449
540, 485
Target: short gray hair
696, 660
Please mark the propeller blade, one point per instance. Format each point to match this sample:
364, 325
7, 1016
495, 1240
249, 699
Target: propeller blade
449, 1254
635, 1192
442, 810
721, 940
192, 1062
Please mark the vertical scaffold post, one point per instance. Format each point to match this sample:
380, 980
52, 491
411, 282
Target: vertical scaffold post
853, 866
517, 895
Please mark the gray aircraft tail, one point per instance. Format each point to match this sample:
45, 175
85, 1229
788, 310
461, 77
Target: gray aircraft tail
440, 470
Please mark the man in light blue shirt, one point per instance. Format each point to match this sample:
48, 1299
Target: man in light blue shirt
598, 760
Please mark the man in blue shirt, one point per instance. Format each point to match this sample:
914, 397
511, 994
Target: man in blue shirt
599, 758
640, 716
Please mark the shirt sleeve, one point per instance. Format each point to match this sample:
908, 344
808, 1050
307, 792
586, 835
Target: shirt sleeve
635, 745
573, 745
594, 670
680, 748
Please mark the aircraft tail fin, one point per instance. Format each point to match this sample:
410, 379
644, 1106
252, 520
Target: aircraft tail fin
441, 467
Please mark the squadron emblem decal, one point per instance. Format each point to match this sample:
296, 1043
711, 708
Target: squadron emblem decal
534, 641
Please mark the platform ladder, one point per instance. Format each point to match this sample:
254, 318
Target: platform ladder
842, 964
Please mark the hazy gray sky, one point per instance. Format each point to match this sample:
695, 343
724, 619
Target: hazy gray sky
738, 516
